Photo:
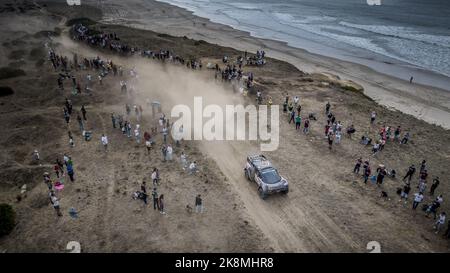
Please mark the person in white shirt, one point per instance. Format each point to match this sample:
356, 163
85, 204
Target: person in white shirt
296, 100
339, 126
193, 167
418, 197
376, 148
155, 177
440, 222
338, 137
372, 117
137, 134
161, 120
55, 202
105, 141
66, 158
439, 199
169, 153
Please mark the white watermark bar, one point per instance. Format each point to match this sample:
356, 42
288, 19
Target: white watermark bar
74, 2
229, 124
374, 2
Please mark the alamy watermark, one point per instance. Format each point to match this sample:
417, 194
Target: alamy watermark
373, 2
230, 124
73, 2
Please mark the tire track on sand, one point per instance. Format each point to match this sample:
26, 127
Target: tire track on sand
279, 232
104, 172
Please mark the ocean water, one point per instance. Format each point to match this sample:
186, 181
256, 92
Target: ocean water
415, 32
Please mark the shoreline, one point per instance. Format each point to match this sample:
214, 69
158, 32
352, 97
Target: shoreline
384, 64
424, 102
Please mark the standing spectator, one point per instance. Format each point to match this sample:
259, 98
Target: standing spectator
381, 174
350, 131
137, 134
164, 152
165, 132
405, 138
409, 173
57, 170
397, 133
405, 191
440, 222
128, 128
155, 199
105, 141
373, 115
198, 204
71, 143
357, 165
306, 126
48, 181
161, 204
60, 164
148, 141
80, 123
70, 172
366, 175
55, 202
296, 100
439, 199
327, 108
148, 145
423, 166
434, 185
66, 116
433, 209
298, 122
418, 197
113, 120
193, 168
422, 185
155, 177
183, 159
83, 112
144, 192
36, 157
338, 137
330, 140
376, 148
292, 116
169, 153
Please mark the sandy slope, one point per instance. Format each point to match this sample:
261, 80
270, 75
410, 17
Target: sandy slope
109, 220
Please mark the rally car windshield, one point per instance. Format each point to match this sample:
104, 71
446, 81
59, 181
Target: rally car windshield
270, 176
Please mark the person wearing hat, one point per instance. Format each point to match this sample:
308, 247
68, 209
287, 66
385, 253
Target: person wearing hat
48, 181
55, 202
36, 156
